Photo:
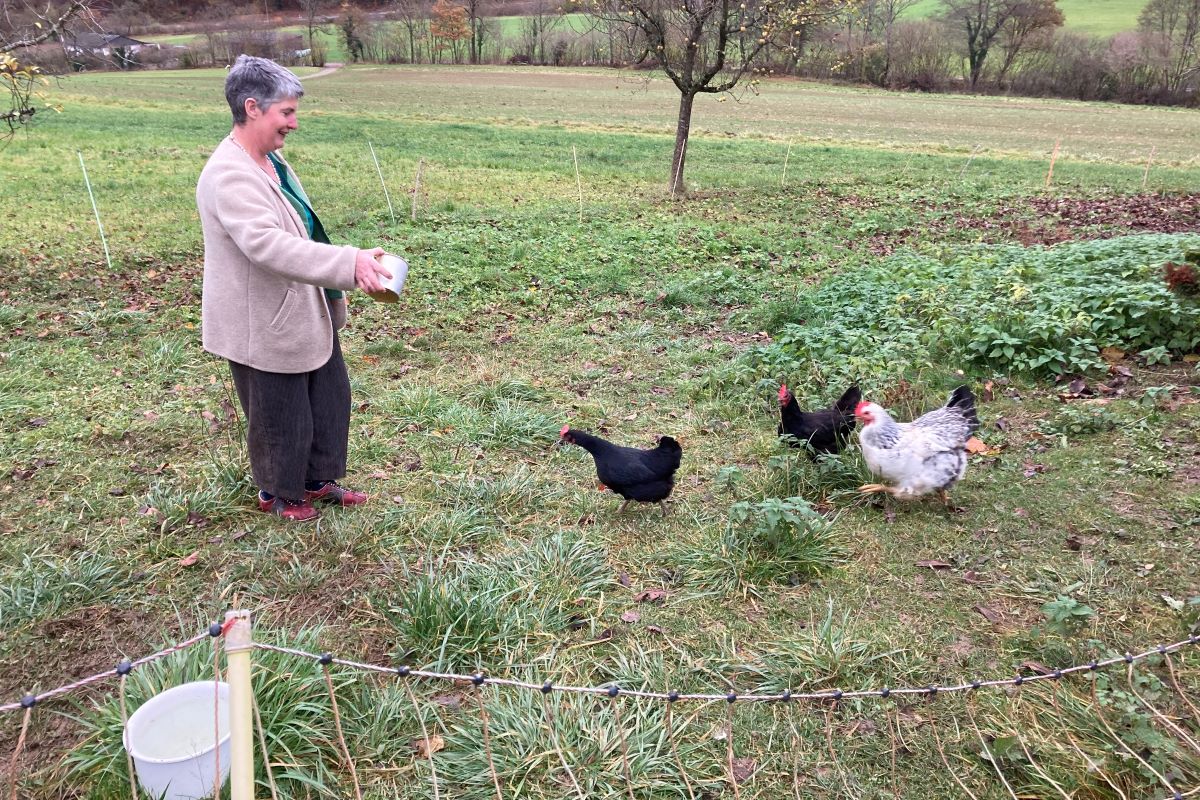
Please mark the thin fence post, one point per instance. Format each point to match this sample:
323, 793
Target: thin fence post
95, 209
382, 182
1053, 158
417, 189
238, 644
578, 182
1149, 162
786, 156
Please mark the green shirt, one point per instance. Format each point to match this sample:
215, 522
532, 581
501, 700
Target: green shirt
299, 200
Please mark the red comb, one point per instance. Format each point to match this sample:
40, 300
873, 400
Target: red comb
564, 430
862, 406
783, 391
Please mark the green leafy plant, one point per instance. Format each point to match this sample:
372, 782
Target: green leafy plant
1066, 615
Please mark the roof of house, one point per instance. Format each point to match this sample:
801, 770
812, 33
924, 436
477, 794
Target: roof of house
90, 40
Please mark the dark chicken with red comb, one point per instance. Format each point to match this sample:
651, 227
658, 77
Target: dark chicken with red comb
645, 476
826, 431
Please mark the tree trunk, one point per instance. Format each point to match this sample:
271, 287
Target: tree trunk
682, 128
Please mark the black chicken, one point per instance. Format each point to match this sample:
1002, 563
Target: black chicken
647, 476
825, 431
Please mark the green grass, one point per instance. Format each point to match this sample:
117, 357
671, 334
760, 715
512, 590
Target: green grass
1097, 17
482, 547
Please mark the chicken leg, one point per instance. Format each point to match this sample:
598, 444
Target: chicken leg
624, 505
877, 488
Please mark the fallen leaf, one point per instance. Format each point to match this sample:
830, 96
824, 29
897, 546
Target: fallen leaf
623, 579
989, 614
630, 617
1112, 354
972, 577
656, 629
190, 561
150, 415
1073, 542
450, 701
196, 519
427, 747
604, 635
116, 491
742, 769
651, 596
1020, 512
1032, 469
934, 564
240, 535
1034, 666
988, 394
976, 446
1176, 605
37, 422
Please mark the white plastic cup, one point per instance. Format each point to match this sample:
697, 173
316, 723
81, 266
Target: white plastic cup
394, 285
170, 738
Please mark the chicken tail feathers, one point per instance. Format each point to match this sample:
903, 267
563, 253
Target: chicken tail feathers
847, 402
963, 402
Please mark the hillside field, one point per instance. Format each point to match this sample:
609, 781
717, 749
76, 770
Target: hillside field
911, 243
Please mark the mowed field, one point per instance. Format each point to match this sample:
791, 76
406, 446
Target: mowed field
535, 300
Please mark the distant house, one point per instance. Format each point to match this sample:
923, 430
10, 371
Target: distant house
121, 49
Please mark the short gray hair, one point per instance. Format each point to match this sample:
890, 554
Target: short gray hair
262, 79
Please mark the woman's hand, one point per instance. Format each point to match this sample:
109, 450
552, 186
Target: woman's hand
369, 274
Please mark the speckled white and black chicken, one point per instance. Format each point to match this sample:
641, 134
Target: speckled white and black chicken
919, 457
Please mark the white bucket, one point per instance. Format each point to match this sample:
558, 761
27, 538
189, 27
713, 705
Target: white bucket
171, 740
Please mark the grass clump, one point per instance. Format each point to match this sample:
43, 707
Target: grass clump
41, 585
777, 540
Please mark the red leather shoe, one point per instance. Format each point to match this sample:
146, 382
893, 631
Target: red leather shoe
337, 495
302, 511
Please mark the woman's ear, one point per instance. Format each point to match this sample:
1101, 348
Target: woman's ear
251, 108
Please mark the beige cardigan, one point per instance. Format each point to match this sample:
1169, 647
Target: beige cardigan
263, 304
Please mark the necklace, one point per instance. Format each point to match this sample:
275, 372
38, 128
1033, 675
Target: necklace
270, 172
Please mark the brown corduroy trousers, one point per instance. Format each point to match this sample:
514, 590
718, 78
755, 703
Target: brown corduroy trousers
297, 425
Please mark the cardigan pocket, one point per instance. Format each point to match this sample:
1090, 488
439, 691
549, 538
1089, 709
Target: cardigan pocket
285, 310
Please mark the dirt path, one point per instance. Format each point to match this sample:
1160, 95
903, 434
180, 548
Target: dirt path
328, 69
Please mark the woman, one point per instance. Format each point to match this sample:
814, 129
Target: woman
272, 299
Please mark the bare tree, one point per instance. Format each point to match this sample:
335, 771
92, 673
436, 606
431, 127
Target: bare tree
708, 46
1173, 30
312, 11
983, 20
1031, 23
20, 29
413, 16
475, 23
537, 25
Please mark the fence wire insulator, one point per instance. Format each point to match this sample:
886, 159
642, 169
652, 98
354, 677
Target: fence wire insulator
932, 690
124, 668
28, 701
1057, 674
1162, 649
1093, 665
672, 696
613, 690
976, 684
479, 679
1017, 681
837, 694
731, 698
547, 687
325, 660
885, 692
404, 671
214, 630
1129, 658
786, 697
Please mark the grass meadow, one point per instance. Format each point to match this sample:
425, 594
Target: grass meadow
532, 301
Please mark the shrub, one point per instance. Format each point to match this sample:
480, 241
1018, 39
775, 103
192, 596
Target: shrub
1035, 311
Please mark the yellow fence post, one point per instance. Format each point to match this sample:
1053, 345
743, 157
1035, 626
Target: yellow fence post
238, 644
